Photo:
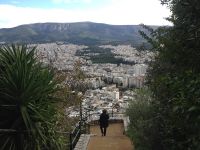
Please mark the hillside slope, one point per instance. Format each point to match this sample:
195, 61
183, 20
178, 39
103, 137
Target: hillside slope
78, 33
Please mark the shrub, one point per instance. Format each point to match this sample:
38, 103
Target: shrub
27, 100
142, 128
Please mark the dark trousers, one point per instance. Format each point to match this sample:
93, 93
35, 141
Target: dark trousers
103, 131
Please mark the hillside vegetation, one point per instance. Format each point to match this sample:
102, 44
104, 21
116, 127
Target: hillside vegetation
87, 33
171, 119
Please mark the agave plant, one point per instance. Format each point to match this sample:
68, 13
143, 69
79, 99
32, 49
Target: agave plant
27, 105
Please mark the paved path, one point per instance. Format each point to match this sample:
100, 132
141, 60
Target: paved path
114, 140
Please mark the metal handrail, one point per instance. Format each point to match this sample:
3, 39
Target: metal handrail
73, 136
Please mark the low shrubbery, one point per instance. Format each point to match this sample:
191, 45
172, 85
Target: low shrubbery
142, 127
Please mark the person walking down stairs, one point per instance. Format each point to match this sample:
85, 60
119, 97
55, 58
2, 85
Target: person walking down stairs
103, 122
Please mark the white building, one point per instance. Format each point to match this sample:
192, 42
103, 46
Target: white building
140, 69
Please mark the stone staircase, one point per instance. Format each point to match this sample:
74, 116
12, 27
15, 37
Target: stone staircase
115, 139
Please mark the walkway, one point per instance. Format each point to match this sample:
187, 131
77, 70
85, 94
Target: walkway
114, 140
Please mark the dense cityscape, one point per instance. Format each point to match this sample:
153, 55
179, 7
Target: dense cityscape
106, 80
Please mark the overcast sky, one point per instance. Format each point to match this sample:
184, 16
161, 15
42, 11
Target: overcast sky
119, 12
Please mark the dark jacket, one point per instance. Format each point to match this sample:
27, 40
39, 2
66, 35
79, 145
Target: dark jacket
103, 121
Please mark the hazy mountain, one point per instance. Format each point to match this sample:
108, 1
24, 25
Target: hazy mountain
78, 33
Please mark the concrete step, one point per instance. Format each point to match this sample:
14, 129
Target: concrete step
114, 140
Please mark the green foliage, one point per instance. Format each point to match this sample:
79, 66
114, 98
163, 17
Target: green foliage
173, 77
27, 100
142, 127
101, 55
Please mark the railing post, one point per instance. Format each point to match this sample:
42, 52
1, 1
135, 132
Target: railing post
88, 130
112, 112
86, 115
84, 126
80, 128
86, 120
89, 116
70, 142
81, 112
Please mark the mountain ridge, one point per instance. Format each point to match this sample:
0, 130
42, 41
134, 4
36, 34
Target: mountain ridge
77, 32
